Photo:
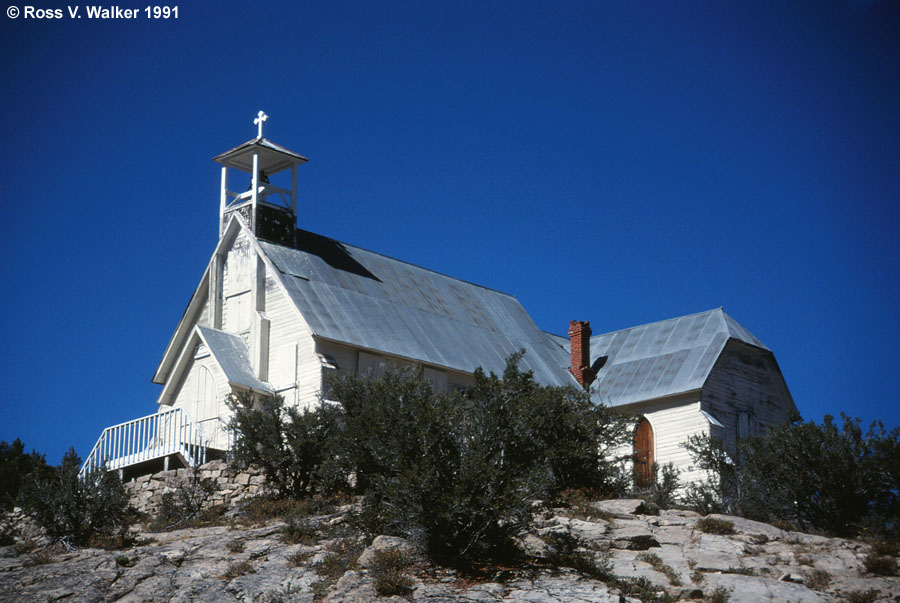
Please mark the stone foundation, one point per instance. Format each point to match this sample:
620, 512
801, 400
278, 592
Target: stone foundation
232, 485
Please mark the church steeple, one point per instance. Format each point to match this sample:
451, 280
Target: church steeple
269, 210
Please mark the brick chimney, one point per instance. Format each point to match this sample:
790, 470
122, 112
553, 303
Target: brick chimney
580, 350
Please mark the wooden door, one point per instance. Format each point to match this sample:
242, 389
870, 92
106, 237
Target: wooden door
643, 454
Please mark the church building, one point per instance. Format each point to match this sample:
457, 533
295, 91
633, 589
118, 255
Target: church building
277, 308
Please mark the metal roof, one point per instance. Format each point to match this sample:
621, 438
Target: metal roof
663, 358
273, 158
232, 357
365, 299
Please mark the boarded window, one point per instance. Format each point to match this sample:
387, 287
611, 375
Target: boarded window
238, 313
437, 379
372, 366
205, 394
643, 454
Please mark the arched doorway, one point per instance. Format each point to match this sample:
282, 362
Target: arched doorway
643, 453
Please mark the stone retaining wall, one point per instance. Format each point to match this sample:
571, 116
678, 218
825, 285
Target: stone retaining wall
232, 485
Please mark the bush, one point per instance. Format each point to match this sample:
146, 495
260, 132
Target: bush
292, 447
567, 552
186, 502
458, 473
863, 596
660, 493
719, 595
715, 494
818, 477
14, 466
238, 568
712, 525
880, 565
388, 570
75, 510
454, 473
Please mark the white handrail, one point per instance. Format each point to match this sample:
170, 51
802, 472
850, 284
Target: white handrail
154, 436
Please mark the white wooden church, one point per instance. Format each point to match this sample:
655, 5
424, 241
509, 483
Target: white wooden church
278, 307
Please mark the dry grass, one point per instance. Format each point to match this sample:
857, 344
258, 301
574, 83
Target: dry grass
712, 525
388, 569
818, 580
238, 568
657, 563
235, 546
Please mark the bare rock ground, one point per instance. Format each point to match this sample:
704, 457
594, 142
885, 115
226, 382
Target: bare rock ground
641, 557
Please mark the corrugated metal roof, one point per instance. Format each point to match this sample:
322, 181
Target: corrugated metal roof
232, 356
365, 299
663, 358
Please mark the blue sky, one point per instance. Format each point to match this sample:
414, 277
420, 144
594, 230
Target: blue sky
614, 162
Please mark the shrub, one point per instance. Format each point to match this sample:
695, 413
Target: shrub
578, 504
885, 547
299, 558
719, 595
565, 552
15, 465
863, 596
298, 530
388, 570
341, 558
235, 546
238, 568
293, 448
657, 563
818, 580
643, 589
458, 473
714, 494
816, 476
264, 508
7, 534
880, 565
186, 502
661, 491
712, 525
71, 509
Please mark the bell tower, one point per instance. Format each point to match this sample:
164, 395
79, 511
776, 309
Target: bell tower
269, 210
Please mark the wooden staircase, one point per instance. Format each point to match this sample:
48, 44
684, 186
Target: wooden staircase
157, 436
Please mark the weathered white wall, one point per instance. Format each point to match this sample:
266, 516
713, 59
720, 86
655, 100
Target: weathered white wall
204, 405
673, 420
294, 368
746, 393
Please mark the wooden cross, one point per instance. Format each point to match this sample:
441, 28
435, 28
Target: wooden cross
260, 118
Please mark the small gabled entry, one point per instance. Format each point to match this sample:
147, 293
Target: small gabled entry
643, 453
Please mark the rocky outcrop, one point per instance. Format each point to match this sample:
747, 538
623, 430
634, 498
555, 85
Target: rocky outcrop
667, 554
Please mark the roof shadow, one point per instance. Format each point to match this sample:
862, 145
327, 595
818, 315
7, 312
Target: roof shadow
332, 253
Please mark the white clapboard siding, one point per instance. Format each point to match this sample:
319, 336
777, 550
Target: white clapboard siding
673, 421
309, 373
237, 271
202, 394
745, 393
237, 313
285, 332
203, 317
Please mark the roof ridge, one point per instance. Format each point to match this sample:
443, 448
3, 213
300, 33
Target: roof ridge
656, 322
